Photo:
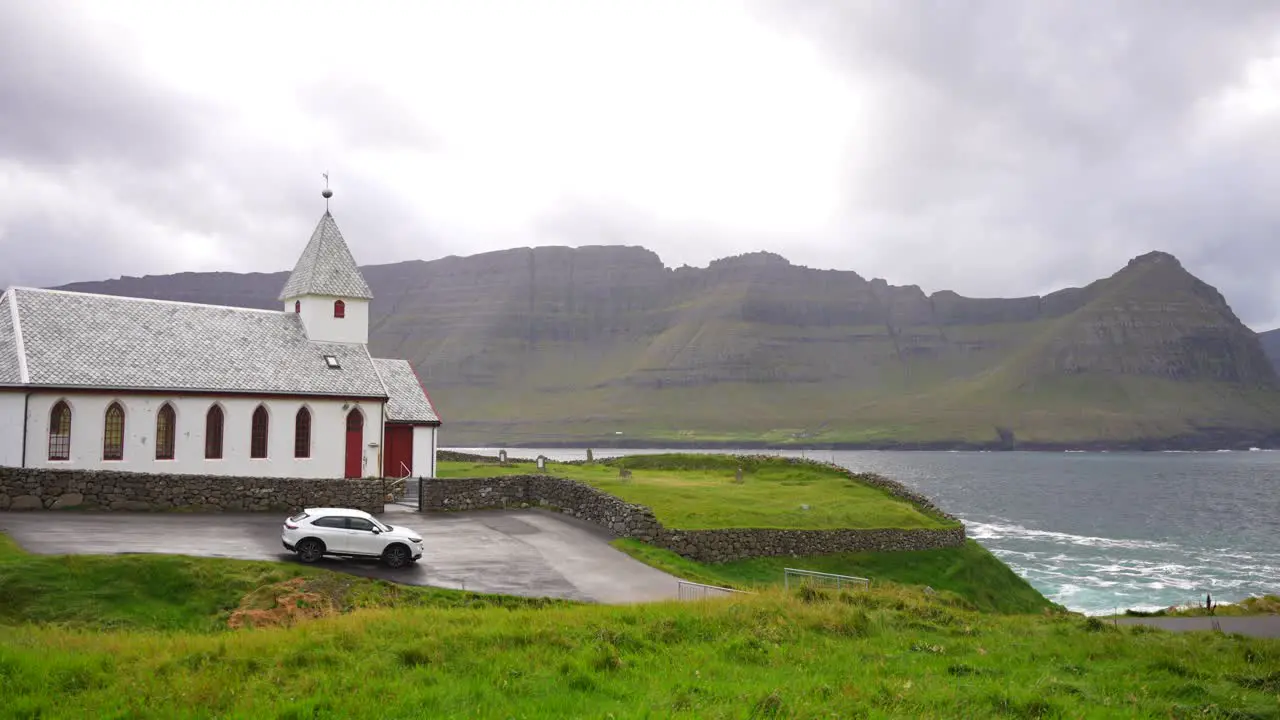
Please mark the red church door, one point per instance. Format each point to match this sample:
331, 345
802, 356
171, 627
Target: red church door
399, 458
355, 444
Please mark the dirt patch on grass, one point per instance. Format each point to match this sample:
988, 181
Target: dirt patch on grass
281, 604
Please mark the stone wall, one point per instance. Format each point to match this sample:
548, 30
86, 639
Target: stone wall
711, 546
637, 521
46, 489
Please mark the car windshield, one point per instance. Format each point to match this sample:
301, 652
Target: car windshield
382, 526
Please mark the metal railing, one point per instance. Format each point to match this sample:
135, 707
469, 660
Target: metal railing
813, 577
698, 591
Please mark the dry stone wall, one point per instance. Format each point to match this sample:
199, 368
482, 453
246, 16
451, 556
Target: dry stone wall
52, 489
637, 521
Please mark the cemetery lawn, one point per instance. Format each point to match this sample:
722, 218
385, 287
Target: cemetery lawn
700, 492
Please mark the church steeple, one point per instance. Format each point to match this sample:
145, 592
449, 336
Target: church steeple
326, 267
327, 289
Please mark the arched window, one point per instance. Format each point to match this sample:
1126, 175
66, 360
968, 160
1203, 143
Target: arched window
166, 426
213, 434
339, 309
258, 438
113, 433
302, 434
297, 306
60, 432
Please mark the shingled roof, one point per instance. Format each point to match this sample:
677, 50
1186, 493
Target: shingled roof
407, 401
326, 267
10, 370
73, 339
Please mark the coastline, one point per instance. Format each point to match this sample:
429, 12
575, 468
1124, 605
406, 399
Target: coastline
1189, 443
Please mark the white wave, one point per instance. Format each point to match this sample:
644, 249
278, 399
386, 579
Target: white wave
1002, 531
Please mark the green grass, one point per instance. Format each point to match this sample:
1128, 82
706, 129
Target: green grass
410, 652
698, 492
886, 653
969, 571
163, 592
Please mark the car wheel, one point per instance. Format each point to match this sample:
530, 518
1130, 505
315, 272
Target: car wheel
396, 556
310, 550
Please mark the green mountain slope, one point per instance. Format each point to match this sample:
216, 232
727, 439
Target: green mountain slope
607, 345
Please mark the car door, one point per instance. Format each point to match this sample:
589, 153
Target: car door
362, 537
333, 531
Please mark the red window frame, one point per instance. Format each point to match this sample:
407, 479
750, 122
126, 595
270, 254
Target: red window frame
258, 436
60, 431
113, 433
302, 434
213, 422
166, 429
339, 309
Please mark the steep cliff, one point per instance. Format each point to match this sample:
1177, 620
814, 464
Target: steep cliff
606, 344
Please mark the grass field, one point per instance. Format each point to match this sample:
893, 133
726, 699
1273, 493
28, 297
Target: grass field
698, 492
119, 649
167, 592
970, 572
889, 652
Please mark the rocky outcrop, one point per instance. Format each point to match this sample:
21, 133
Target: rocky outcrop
53, 489
630, 520
1154, 318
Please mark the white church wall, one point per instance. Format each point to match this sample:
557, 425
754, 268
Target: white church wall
424, 451
11, 415
88, 412
322, 326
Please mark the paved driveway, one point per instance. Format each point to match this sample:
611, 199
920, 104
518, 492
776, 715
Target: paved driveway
1267, 626
525, 552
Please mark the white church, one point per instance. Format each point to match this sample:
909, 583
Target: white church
103, 382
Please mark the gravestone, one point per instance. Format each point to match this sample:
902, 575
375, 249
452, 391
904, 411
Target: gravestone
590, 457
542, 462
624, 473
502, 457
737, 476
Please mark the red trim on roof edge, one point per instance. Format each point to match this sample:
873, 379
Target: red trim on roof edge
425, 394
183, 391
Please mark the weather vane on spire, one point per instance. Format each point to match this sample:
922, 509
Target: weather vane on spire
326, 193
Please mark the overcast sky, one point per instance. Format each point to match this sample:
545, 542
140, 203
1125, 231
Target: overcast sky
993, 148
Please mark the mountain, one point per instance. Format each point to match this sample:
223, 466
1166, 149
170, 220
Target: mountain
1271, 346
606, 345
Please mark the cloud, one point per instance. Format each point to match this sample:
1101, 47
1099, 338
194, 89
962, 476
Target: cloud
993, 148
1030, 145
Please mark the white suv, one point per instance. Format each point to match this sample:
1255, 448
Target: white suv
316, 532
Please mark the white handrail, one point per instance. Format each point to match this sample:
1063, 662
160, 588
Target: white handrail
840, 580
691, 590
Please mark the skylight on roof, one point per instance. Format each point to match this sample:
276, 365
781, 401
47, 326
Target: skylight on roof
332, 362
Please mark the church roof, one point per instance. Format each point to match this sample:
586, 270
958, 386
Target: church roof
326, 267
70, 339
407, 401
10, 370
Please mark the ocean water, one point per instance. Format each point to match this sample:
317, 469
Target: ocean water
1096, 532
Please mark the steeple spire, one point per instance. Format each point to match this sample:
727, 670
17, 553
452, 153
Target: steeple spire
326, 267
326, 193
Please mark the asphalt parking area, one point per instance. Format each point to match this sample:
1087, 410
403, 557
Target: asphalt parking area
533, 553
